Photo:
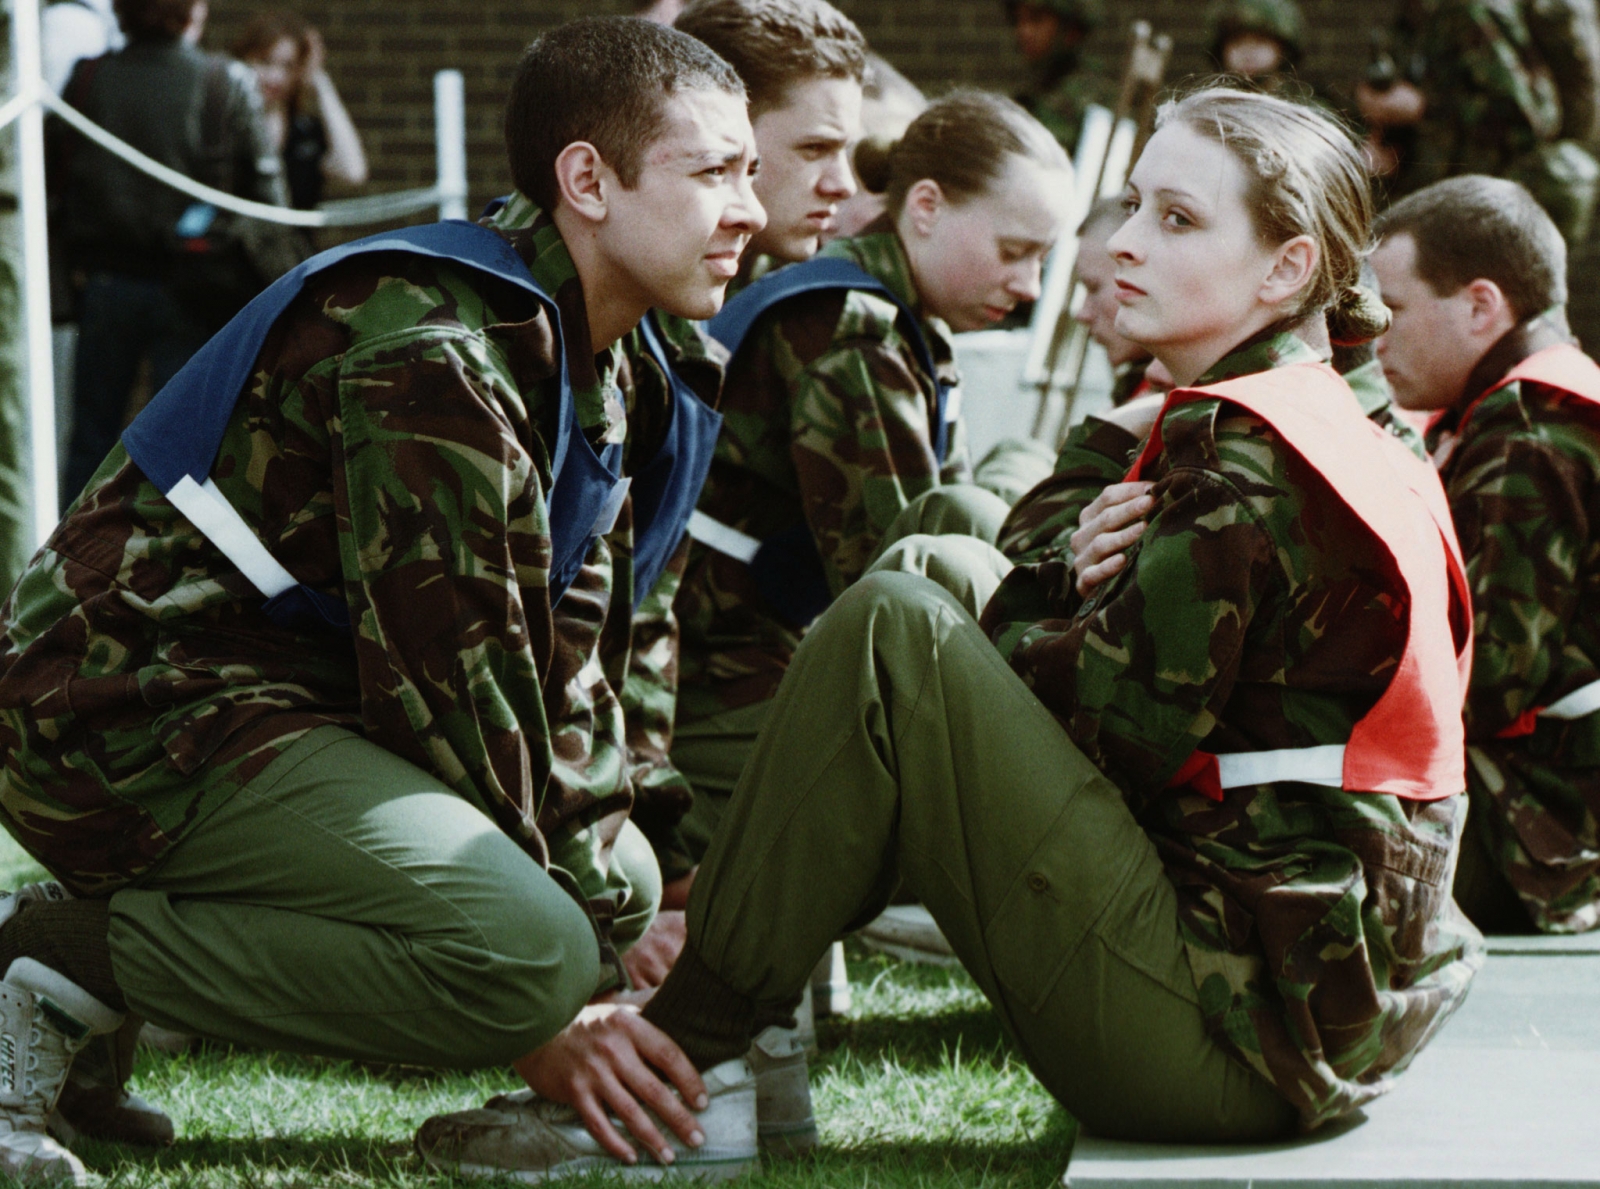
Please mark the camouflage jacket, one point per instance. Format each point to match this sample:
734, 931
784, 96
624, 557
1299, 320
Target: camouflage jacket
1062, 88
828, 421
1041, 524
1522, 469
1257, 613
1493, 76
390, 449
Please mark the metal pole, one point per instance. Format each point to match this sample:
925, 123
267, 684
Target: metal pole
35, 268
450, 140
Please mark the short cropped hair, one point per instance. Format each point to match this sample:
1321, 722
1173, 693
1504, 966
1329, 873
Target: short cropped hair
1473, 227
775, 44
154, 20
602, 80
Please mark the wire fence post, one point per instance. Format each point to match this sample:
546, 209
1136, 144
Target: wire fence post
35, 267
450, 142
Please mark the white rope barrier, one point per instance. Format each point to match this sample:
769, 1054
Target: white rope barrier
448, 195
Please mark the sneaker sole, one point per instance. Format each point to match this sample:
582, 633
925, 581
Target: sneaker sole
704, 1167
794, 1139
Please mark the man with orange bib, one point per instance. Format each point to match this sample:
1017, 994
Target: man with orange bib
1475, 273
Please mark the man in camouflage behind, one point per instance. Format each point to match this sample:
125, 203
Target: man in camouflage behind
408, 841
1063, 81
802, 63
1476, 275
1508, 88
1258, 40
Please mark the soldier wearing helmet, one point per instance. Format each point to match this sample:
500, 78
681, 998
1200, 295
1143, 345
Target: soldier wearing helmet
1260, 40
1063, 81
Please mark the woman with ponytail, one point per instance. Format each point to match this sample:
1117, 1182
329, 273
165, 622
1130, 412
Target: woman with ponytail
841, 426
1192, 834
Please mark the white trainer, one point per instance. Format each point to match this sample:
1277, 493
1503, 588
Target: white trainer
784, 1120
523, 1137
29, 893
45, 1018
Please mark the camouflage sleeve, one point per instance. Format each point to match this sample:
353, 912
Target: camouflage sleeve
1139, 671
1518, 508
1040, 527
862, 451
446, 564
661, 794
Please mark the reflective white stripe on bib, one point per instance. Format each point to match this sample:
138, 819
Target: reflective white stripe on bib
723, 538
209, 511
1580, 703
1309, 765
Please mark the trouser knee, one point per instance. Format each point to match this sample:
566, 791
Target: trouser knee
542, 967
961, 509
970, 569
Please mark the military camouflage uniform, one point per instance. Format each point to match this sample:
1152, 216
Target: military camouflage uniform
1041, 524
390, 450
1511, 92
827, 424
1318, 922
1522, 470
1172, 967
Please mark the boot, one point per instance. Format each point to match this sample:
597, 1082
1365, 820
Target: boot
96, 1104
830, 984
45, 1019
523, 1137
784, 1122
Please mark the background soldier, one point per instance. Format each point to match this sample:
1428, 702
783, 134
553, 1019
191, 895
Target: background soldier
1507, 89
1258, 40
1063, 81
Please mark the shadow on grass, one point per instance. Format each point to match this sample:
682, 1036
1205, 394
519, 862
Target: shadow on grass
920, 1043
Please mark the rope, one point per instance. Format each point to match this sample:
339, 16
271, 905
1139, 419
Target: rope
350, 212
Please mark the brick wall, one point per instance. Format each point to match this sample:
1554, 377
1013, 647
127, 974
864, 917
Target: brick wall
383, 53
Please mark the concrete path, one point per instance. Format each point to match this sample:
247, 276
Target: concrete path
1507, 1095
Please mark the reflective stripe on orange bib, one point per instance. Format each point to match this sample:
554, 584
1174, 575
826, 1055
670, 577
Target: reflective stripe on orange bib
1411, 743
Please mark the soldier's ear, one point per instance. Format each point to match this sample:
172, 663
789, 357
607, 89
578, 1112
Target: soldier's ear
924, 206
1491, 314
583, 180
1294, 266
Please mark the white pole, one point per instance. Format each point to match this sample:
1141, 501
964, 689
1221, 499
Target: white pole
450, 140
35, 268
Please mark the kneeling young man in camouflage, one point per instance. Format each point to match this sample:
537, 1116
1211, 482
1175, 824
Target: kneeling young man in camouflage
1475, 273
310, 700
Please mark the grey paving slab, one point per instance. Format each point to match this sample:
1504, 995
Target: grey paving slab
1507, 1095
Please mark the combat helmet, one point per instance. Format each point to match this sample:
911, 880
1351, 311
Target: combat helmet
1278, 19
1086, 14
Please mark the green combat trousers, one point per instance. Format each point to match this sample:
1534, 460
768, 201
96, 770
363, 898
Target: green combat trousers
902, 747
346, 903
712, 750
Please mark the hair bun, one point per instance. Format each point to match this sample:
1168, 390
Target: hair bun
872, 163
1357, 316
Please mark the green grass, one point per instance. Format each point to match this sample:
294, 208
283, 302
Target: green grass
917, 1089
